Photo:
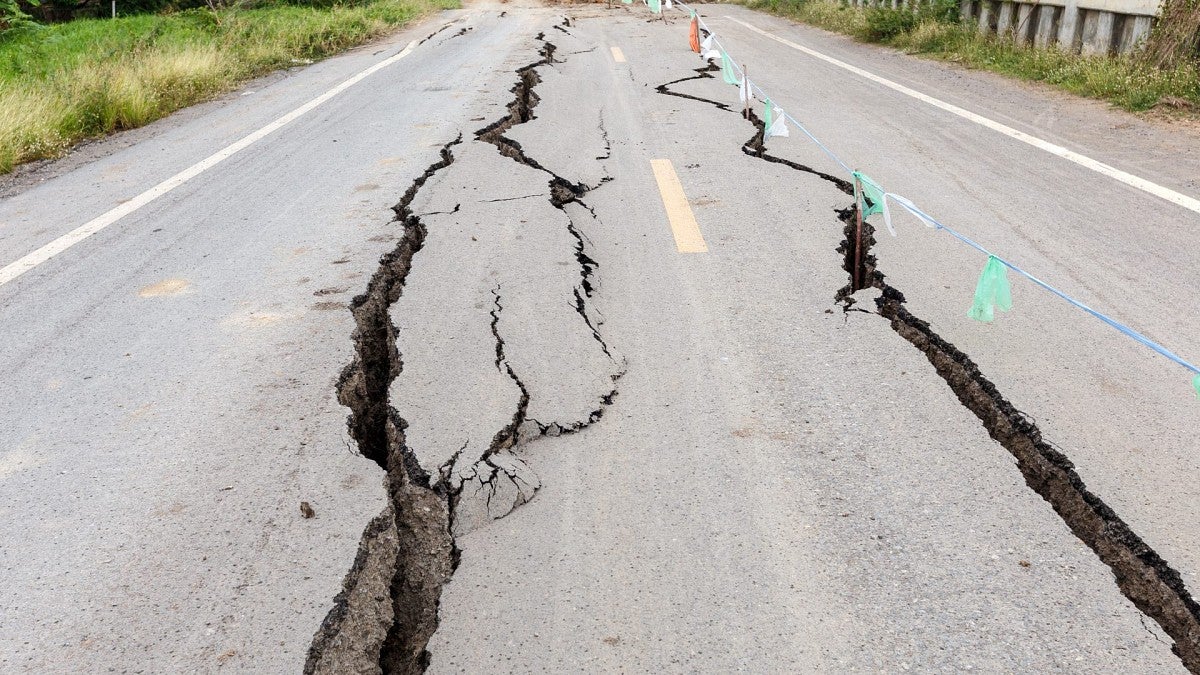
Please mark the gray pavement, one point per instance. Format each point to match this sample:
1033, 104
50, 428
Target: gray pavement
648, 460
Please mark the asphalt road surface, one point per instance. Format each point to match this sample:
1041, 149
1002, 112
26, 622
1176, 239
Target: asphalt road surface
613, 405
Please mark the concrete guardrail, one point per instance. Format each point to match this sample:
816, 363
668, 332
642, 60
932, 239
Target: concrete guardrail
1087, 26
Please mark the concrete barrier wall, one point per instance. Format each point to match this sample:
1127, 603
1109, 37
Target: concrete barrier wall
1087, 26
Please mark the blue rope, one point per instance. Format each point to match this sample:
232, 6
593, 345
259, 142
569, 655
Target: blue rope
1076, 303
1126, 330
793, 120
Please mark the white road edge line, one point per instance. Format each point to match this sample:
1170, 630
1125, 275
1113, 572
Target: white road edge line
66, 241
1142, 184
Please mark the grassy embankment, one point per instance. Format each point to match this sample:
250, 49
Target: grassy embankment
936, 32
62, 83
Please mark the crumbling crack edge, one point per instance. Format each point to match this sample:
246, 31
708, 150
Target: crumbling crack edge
421, 510
417, 509
1141, 574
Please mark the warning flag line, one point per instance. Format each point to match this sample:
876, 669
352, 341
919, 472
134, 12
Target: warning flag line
992, 290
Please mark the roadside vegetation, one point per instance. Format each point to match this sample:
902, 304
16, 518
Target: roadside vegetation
1135, 82
61, 83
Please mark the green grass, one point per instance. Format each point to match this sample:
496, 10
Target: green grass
63, 83
828, 15
1118, 79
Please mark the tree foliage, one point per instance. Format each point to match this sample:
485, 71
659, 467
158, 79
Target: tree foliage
13, 16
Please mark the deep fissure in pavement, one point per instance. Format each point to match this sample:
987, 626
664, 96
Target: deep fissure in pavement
388, 606
419, 555
1142, 575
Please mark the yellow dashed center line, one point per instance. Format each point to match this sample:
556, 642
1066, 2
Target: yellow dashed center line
683, 223
618, 55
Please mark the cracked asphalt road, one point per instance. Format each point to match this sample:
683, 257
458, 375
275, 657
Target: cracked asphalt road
572, 447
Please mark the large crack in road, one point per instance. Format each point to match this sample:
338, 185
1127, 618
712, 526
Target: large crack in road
387, 610
1142, 575
561, 193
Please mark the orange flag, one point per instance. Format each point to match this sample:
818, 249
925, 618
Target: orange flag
694, 35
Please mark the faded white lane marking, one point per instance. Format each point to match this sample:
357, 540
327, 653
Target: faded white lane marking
66, 241
1190, 203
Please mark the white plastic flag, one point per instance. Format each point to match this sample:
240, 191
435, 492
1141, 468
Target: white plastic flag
707, 50
744, 91
777, 127
908, 206
667, 4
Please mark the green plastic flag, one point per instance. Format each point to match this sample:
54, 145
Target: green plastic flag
768, 114
1196, 384
727, 72
871, 191
655, 6
992, 291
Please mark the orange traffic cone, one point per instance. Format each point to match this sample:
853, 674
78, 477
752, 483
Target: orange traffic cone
694, 35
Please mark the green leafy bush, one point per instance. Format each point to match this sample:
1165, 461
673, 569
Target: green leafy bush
885, 23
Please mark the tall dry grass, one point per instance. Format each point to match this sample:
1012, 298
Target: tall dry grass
1176, 36
65, 83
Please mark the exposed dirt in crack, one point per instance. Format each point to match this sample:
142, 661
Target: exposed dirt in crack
385, 614
363, 385
387, 610
1142, 575
868, 275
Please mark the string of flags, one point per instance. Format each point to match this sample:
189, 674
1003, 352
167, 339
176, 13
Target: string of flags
993, 290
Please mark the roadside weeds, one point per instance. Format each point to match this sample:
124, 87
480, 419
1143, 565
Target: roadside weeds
65, 83
1120, 80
